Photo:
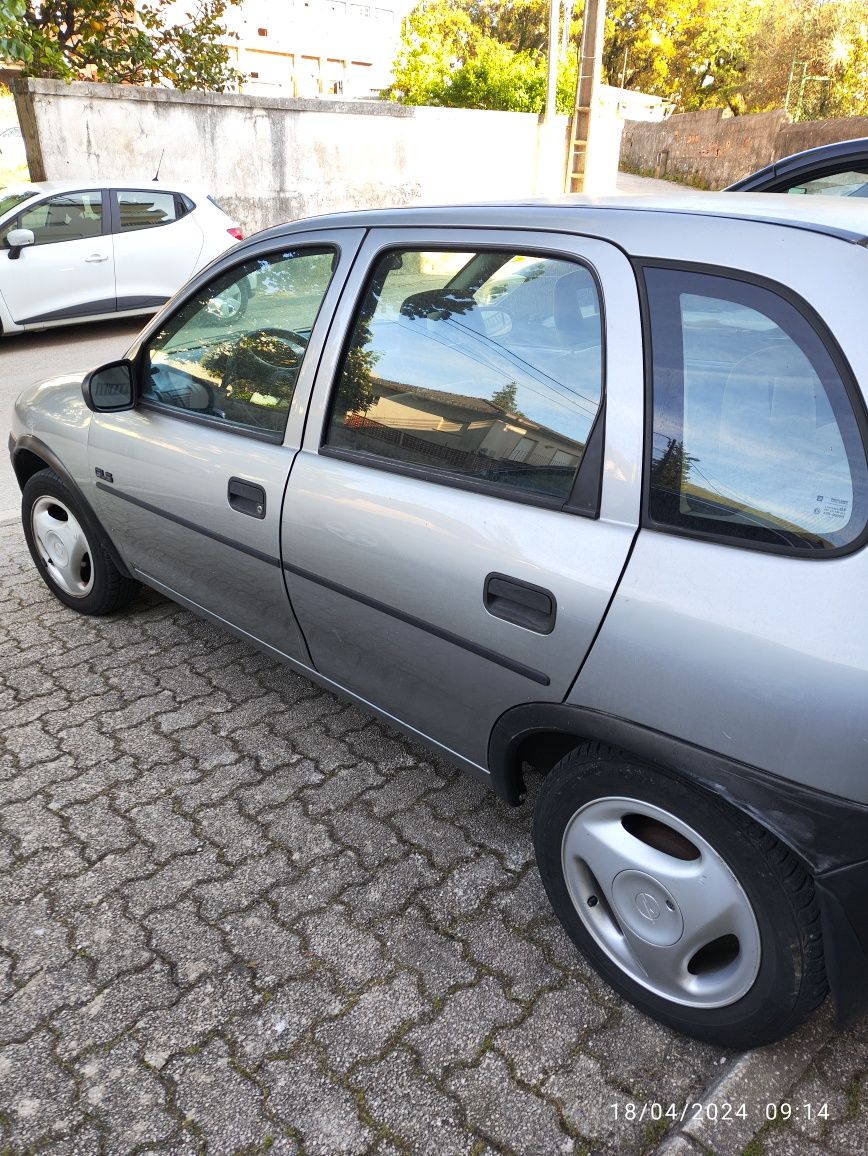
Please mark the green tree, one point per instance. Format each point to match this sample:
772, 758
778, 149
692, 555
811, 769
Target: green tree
119, 41
478, 54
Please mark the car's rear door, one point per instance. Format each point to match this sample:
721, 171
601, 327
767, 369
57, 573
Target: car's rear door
157, 242
468, 487
191, 481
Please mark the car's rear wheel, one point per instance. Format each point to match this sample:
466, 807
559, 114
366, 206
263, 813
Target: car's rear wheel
69, 549
695, 913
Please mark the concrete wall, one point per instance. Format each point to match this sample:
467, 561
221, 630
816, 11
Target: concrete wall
271, 160
712, 149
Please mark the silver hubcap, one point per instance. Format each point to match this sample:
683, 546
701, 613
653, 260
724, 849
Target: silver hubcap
227, 304
62, 545
661, 902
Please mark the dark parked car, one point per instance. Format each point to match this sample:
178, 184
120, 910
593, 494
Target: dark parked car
833, 170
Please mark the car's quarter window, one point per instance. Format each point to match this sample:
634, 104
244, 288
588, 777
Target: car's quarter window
144, 210
70, 217
480, 366
233, 352
754, 436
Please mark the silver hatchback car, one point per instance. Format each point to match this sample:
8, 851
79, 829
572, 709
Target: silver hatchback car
570, 488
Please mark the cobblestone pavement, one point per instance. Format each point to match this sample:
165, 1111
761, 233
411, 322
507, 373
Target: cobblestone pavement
238, 915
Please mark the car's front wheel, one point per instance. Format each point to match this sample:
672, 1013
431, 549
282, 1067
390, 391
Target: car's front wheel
696, 914
69, 548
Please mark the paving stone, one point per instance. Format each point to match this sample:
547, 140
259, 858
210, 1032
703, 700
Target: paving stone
110, 941
443, 842
187, 943
464, 890
548, 1039
438, 958
237, 836
375, 843
99, 828
242, 886
34, 938
387, 892
42, 996
311, 1104
33, 825
504, 1113
38, 1097
277, 1026
224, 1107
594, 1109
114, 1010
165, 831
272, 951
321, 882
355, 956
416, 1113
237, 913
463, 1025
126, 1098
212, 1005
341, 788
173, 881
304, 839
521, 963
377, 1016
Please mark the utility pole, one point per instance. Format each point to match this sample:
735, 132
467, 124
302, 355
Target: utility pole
590, 67
552, 78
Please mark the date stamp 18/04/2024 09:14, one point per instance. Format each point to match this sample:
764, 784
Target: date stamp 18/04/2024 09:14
654, 1110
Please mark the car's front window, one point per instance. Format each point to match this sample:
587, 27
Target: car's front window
69, 217
234, 351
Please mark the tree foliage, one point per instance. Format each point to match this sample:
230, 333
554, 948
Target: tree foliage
744, 55
119, 41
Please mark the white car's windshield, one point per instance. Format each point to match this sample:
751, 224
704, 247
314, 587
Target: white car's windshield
9, 198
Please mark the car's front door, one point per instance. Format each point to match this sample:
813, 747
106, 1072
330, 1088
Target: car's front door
192, 480
68, 271
448, 548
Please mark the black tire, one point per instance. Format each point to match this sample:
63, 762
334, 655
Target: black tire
790, 980
97, 586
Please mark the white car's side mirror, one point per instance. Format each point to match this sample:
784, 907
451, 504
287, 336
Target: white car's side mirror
17, 239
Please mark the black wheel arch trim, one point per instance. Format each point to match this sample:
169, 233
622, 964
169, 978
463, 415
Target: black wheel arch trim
827, 832
27, 443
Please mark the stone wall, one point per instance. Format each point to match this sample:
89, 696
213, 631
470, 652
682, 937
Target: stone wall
712, 149
268, 160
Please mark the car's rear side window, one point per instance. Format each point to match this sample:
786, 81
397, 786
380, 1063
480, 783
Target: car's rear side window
754, 437
145, 209
480, 367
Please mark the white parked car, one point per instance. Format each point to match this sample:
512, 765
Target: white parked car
83, 251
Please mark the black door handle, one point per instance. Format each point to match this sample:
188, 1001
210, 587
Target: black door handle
246, 497
520, 603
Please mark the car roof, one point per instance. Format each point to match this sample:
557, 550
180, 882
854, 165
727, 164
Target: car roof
838, 217
38, 188
855, 150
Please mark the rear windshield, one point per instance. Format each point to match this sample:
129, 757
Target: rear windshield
9, 198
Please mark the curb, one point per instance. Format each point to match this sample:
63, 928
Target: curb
753, 1081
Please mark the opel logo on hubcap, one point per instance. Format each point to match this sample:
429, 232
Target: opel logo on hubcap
647, 906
